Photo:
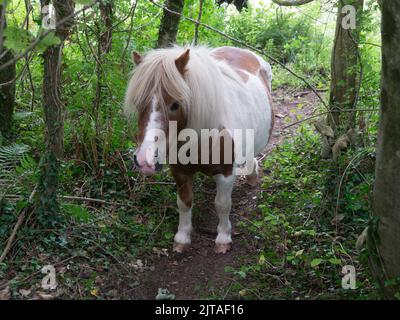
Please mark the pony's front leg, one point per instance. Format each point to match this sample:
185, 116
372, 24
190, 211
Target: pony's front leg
223, 204
184, 185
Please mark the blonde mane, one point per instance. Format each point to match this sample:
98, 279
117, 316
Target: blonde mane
201, 92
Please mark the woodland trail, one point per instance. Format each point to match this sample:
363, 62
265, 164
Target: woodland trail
199, 272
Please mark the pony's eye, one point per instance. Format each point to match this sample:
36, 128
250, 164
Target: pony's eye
174, 106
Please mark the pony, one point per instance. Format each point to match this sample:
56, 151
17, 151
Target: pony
221, 89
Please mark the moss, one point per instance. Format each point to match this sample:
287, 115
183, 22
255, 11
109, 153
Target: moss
47, 207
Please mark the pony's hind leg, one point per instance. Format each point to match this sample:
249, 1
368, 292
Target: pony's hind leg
185, 203
223, 204
252, 179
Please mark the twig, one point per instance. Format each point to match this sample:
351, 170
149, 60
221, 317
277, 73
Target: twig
196, 27
341, 183
324, 113
16, 227
132, 15
97, 201
14, 280
35, 43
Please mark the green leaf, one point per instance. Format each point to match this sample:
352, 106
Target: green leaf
49, 40
76, 211
17, 39
168, 235
335, 261
316, 262
22, 115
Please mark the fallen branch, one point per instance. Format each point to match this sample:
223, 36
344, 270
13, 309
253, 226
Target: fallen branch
20, 220
84, 199
325, 113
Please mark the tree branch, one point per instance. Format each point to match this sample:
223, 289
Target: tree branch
43, 35
244, 44
291, 3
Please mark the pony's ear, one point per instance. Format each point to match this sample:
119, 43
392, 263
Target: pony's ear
137, 58
182, 61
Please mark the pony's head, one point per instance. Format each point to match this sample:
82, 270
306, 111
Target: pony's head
159, 95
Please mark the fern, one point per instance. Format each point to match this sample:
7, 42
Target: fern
10, 157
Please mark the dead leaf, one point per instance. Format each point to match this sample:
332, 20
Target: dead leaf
160, 252
138, 265
95, 292
98, 280
362, 239
5, 294
138, 219
25, 293
337, 219
43, 296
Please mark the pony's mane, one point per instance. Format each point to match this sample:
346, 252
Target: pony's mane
201, 92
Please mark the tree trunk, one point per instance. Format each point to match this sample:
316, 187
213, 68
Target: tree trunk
344, 69
47, 204
387, 181
169, 23
7, 83
106, 11
53, 107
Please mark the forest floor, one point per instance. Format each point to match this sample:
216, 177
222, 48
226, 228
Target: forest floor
199, 272
110, 258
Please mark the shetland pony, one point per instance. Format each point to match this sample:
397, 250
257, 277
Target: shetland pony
200, 88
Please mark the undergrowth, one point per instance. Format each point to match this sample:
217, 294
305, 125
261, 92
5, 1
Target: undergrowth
306, 230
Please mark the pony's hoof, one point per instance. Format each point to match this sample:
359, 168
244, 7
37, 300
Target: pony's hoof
222, 247
180, 247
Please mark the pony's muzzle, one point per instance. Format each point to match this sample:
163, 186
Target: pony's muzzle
135, 162
145, 166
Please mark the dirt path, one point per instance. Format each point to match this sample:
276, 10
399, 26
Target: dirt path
199, 272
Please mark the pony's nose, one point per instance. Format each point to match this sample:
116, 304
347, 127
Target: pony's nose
136, 161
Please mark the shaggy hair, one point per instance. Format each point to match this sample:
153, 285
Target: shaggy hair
201, 92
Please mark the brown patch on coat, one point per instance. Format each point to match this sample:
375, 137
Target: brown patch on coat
143, 120
184, 184
225, 166
179, 116
243, 60
238, 59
